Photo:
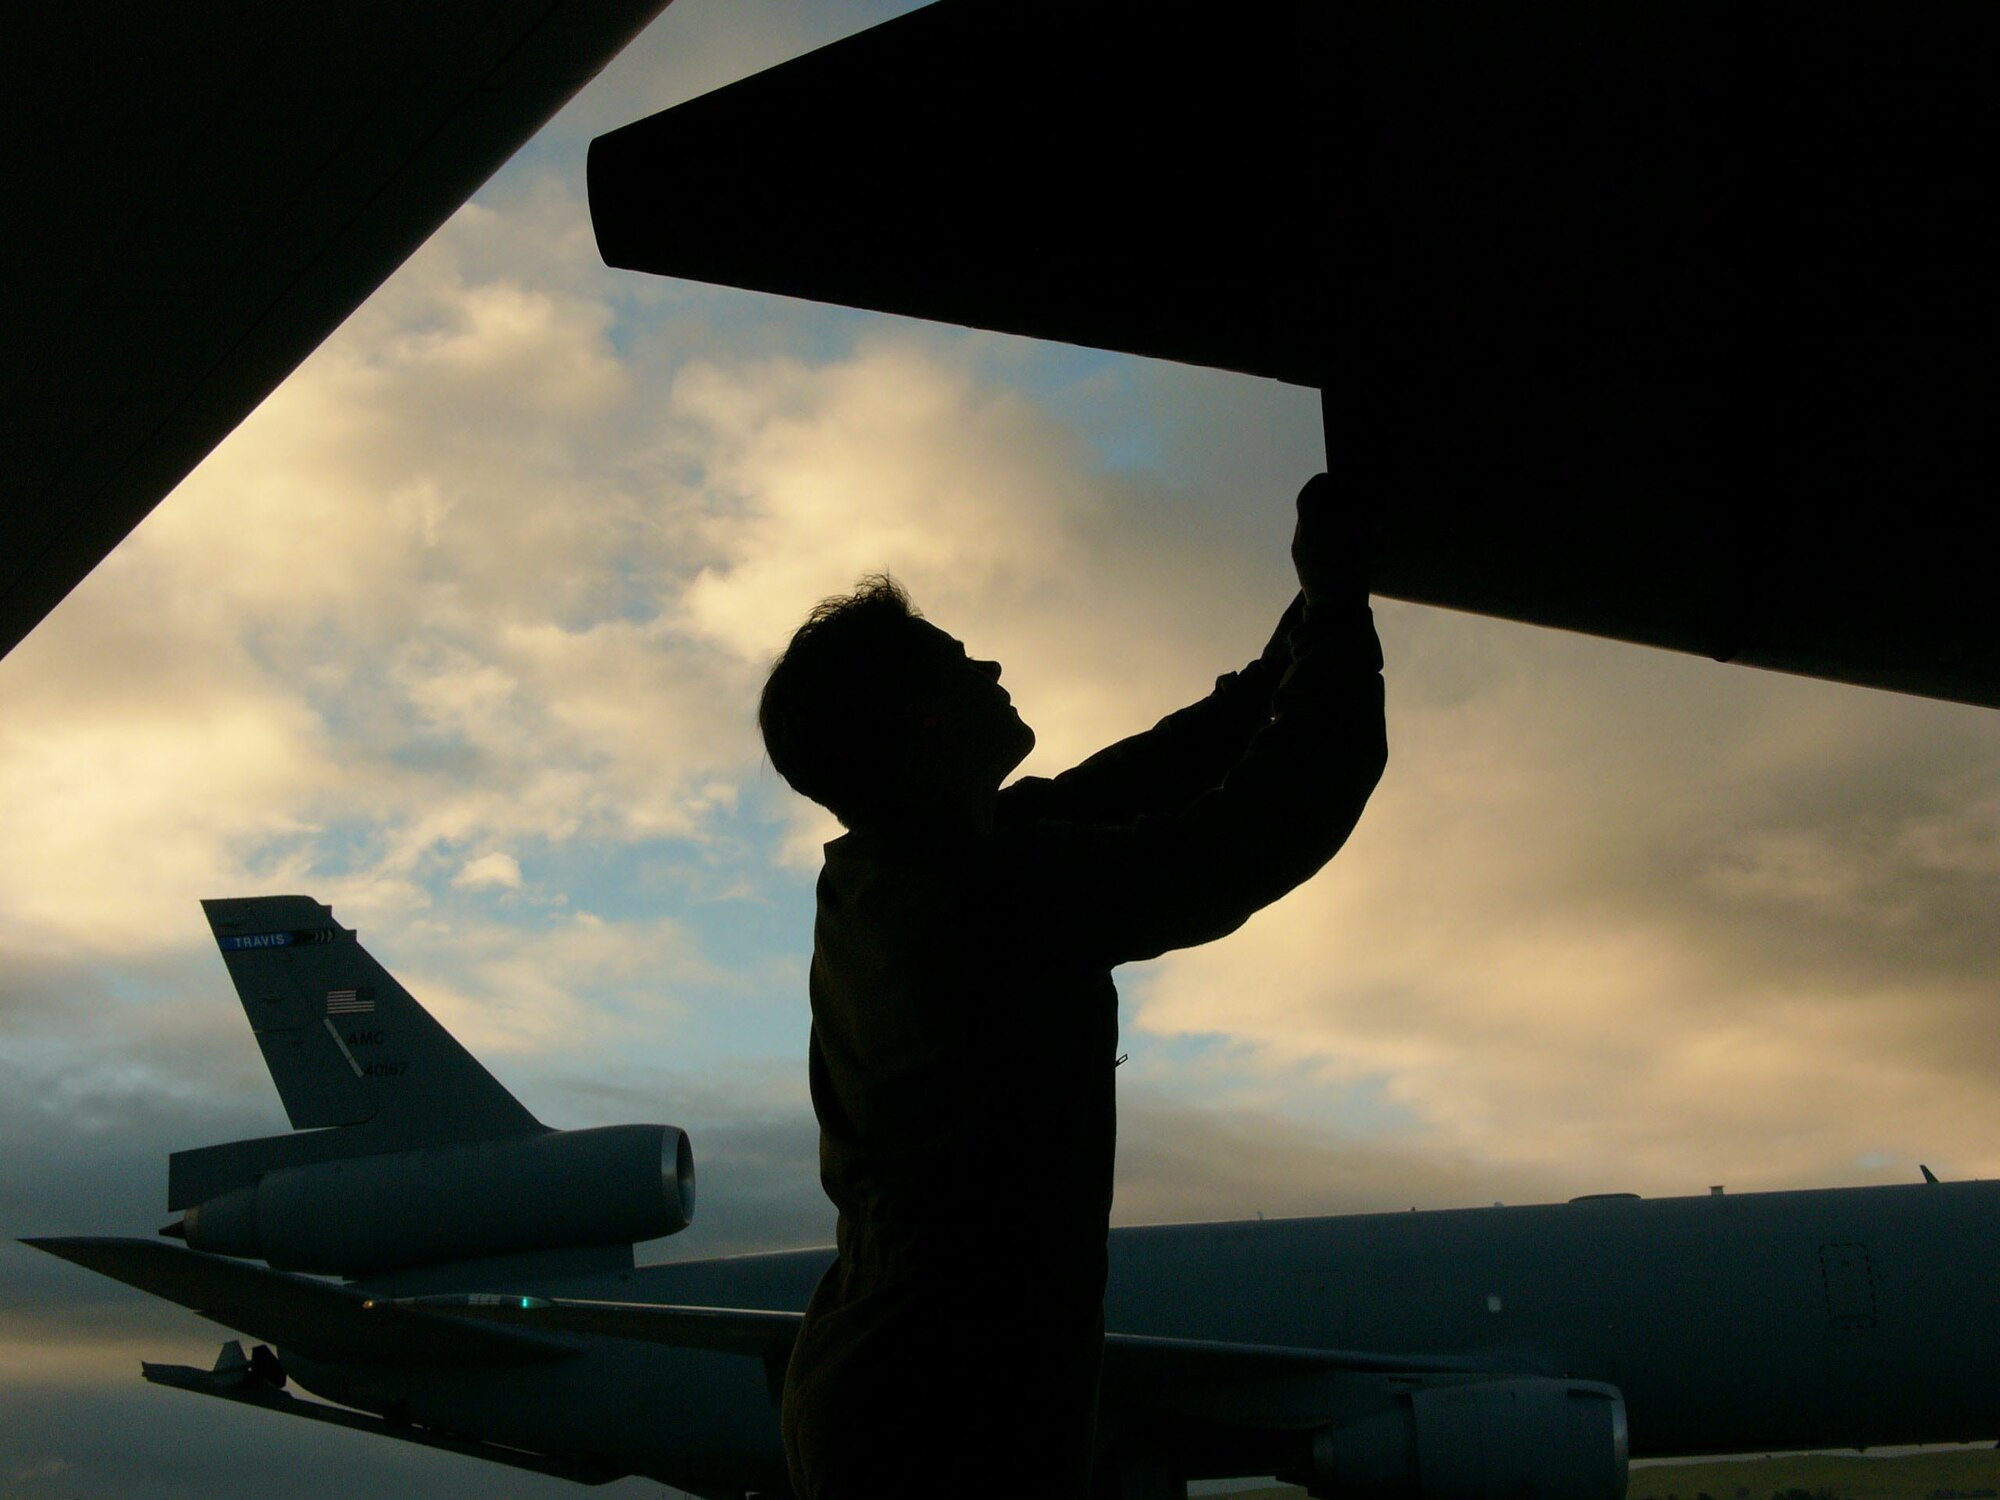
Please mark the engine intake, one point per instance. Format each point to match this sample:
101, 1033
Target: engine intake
1530, 1438
615, 1184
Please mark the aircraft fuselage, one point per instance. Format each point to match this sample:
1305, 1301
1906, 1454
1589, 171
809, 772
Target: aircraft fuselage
1828, 1318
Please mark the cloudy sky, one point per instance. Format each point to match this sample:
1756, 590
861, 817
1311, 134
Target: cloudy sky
462, 631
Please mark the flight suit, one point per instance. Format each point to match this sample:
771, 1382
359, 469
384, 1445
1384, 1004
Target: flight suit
963, 1041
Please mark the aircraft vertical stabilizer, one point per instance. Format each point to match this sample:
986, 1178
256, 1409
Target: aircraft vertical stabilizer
405, 1152
344, 1041
348, 1047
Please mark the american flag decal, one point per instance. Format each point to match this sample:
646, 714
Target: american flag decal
349, 1002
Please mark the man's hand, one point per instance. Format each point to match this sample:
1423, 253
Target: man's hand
1330, 546
1278, 650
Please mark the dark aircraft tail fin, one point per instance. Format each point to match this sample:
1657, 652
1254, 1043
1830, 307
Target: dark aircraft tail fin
348, 1047
404, 1151
344, 1041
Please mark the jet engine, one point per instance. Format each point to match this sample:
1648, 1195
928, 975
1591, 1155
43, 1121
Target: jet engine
612, 1185
1502, 1439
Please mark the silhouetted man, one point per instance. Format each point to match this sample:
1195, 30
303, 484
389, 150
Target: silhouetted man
964, 1020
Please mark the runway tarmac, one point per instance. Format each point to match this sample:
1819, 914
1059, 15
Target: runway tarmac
1960, 1473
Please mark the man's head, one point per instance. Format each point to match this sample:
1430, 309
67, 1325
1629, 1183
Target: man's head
872, 711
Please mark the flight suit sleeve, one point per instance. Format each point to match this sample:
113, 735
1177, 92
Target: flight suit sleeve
1163, 769
1116, 892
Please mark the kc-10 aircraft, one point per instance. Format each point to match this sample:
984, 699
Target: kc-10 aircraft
444, 1269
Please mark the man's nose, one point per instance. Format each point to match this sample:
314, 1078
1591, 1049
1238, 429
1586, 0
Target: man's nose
990, 668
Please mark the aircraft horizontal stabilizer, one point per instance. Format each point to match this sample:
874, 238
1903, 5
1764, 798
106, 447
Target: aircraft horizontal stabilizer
317, 1319
231, 1380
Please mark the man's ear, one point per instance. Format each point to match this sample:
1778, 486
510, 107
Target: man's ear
921, 713
922, 721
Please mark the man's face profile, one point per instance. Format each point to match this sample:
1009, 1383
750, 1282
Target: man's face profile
962, 708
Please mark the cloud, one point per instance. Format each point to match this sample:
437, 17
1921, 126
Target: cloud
411, 610
1182, 1161
1620, 916
1110, 596
893, 461
141, 761
494, 871
550, 990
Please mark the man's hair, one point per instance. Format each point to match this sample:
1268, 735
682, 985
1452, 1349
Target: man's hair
833, 710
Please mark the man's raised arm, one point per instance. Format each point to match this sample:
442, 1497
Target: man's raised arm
1289, 801
1163, 769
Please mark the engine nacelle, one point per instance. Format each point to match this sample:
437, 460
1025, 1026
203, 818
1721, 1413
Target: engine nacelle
615, 1184
1528, 1438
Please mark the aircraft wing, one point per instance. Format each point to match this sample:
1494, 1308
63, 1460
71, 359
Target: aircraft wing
1138, 1357
726, 1330
1141, 1366
197, 194
322, 1320
1632, 301
234, 1378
